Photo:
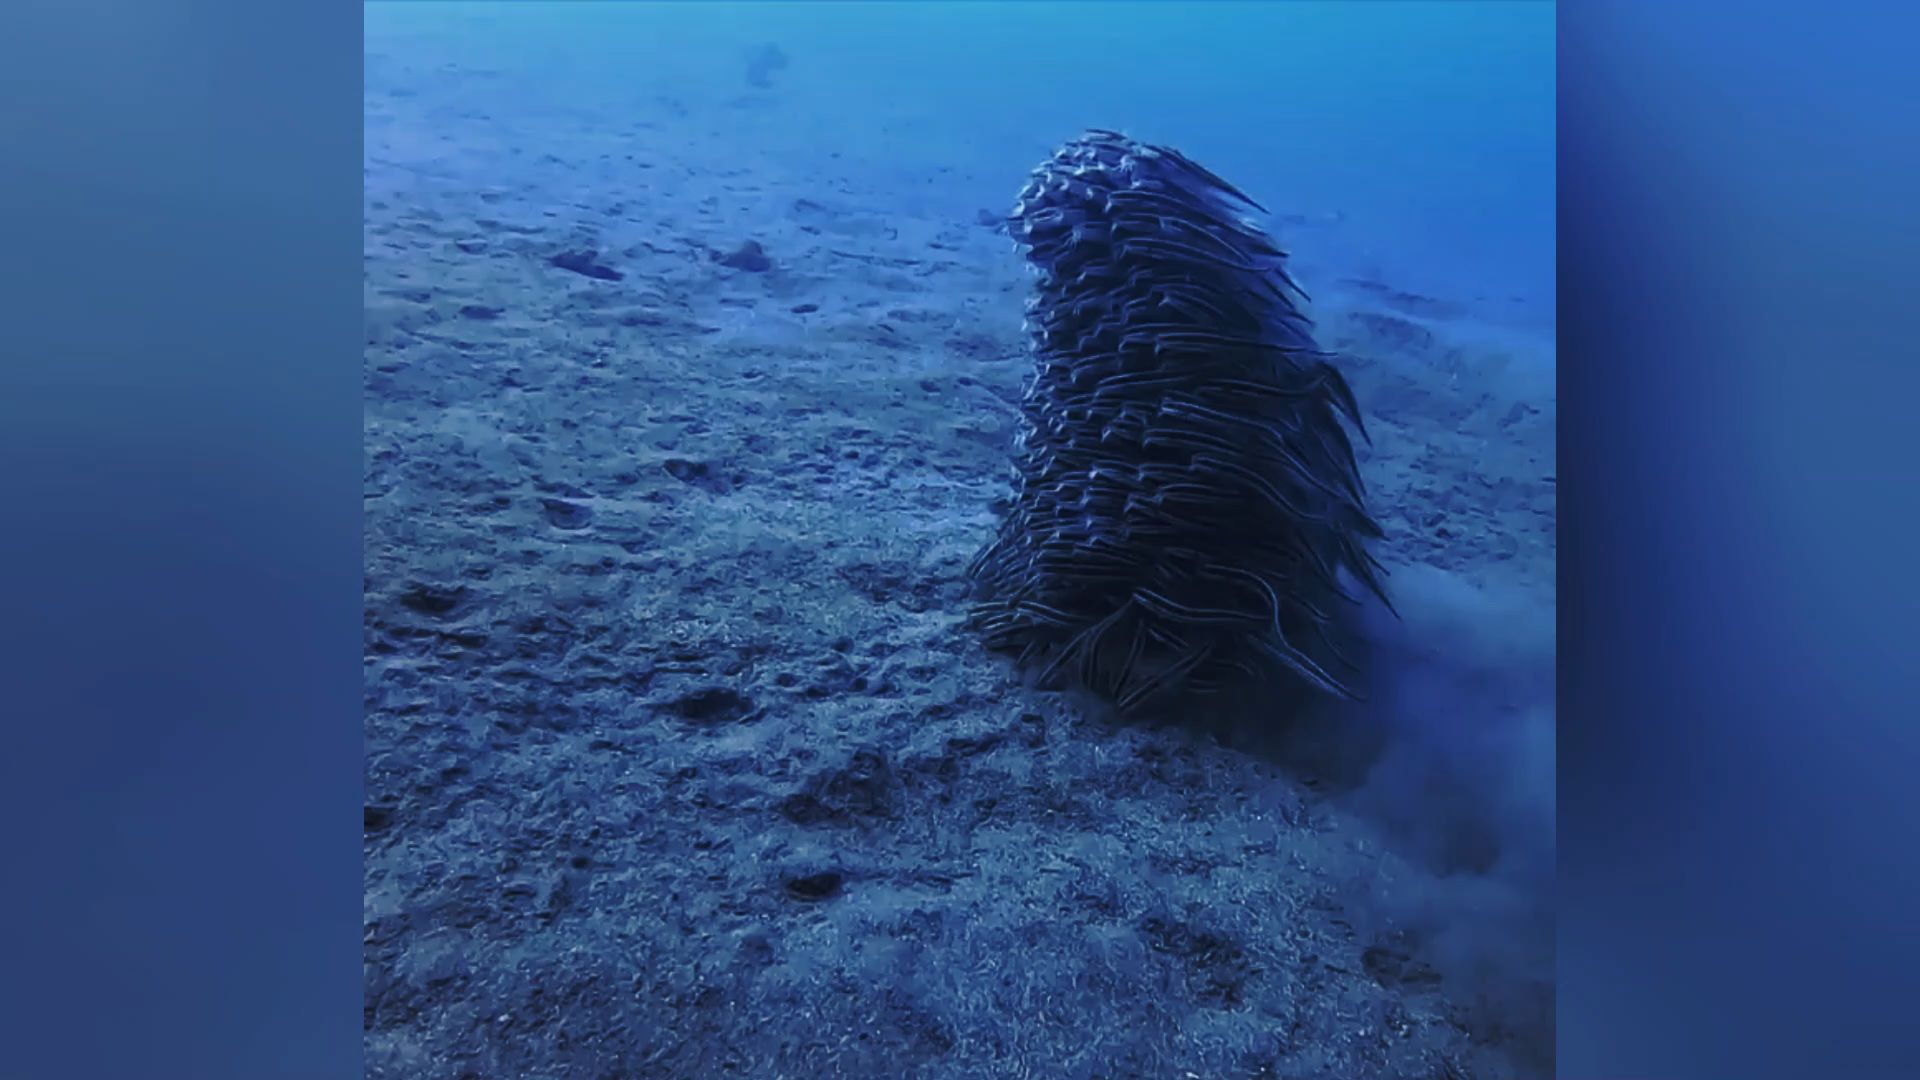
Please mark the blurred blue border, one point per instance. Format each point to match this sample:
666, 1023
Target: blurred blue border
180, 544
1738, 490
179, 430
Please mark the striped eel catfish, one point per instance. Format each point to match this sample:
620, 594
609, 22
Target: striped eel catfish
1187, 512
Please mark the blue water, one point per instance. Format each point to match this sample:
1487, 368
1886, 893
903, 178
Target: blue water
688, 390
1425, 129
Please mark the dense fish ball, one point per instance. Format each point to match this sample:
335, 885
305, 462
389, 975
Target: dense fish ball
1186, 500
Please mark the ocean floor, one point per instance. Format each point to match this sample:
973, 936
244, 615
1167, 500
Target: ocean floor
680, 431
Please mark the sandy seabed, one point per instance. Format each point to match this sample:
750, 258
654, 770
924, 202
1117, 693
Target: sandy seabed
679, 761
